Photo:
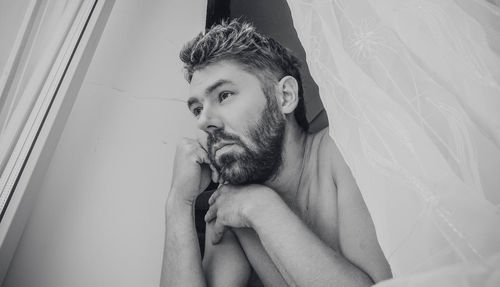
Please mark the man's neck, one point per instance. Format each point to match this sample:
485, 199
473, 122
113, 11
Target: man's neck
286, 183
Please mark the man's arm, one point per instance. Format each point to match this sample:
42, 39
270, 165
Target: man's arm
358, 238
300, 256
181, 255
225, 264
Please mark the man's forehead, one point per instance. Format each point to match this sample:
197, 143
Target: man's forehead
214, 72
222, 72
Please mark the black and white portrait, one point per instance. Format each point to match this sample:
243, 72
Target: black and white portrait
249, 143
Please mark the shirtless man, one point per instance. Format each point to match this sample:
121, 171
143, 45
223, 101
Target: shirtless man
288, 211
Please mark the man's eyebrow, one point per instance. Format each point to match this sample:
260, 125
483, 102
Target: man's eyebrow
217, 84
208, 90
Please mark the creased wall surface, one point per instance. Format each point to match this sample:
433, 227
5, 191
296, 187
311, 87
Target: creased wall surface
98, 219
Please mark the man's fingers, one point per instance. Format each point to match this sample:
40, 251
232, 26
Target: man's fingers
202, 156
222, 181
218, 232
215, 173
212, 198
214, 195
211, 214
201, 137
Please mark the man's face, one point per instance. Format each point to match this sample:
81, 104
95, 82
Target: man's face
243, 120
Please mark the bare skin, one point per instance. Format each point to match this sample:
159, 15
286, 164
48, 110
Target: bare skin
307, 226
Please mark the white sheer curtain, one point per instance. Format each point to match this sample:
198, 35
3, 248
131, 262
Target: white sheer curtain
412, 91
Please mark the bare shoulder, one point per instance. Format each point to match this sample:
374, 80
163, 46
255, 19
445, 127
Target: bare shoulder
323, 138
357, 234
329, 155
322, 145
356, 231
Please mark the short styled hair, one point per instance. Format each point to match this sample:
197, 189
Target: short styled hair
258, 54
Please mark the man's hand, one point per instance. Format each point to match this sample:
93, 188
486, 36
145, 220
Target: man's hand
231, 205
192, 169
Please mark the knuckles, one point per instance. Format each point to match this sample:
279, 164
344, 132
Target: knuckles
187, 147
184, 142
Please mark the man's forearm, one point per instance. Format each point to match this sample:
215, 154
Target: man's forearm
300, 256
181, 256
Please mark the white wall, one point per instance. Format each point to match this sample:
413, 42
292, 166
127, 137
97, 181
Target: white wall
98, 219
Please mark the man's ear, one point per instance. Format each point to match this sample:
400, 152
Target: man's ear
289, 94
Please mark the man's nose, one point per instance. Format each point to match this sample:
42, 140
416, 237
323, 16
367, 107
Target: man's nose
208, 120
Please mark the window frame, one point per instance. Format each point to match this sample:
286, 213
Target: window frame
26, 166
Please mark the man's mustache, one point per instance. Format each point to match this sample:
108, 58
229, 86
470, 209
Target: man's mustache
219, 135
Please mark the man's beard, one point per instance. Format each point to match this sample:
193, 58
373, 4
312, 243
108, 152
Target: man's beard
257, 164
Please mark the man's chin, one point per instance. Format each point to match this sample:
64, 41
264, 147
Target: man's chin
234, 174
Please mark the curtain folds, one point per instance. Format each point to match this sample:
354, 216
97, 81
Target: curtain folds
412, 92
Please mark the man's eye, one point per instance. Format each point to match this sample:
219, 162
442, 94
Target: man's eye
223, 96
197, 111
